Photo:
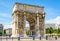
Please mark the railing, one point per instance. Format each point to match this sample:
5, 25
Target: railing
7, 38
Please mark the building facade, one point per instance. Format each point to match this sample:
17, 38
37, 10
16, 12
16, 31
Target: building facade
1, 29
9, 31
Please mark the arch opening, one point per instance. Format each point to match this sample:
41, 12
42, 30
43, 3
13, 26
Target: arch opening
30, 26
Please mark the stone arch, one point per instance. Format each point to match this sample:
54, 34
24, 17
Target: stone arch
35, 17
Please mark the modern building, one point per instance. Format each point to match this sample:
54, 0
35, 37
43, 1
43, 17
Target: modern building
1, 29
9, 31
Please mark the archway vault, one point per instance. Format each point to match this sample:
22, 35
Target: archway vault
35, 17
32, 26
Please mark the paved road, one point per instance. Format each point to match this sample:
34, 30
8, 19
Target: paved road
7, 38
29, 40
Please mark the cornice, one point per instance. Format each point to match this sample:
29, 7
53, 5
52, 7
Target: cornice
28, 5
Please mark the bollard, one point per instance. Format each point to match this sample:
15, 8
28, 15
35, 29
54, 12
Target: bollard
40, 38
18, 38
6, 39
55, 38
33, 37
46, 37
1, 38
12, 38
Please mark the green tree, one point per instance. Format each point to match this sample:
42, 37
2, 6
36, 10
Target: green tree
28, 32
56, 31
4, 32
49, 30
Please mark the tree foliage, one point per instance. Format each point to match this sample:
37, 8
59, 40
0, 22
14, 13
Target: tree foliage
28, 32
56, 31
49, 30
4, 32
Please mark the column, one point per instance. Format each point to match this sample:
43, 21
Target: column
17, 26
37, 25
24, 25
44, 23
41, 25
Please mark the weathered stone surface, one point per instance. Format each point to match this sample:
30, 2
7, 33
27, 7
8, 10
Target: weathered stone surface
29, 13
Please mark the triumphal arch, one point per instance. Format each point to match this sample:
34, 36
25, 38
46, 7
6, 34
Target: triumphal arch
35, 15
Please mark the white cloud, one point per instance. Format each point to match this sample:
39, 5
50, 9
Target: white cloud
5, 15
55, 20
27, 25
5, 19
7, 26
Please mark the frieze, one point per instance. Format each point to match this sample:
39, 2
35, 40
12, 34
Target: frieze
28, 8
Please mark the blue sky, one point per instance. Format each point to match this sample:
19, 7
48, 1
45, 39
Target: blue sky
52, 9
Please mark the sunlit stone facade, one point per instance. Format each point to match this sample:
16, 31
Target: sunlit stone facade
35, 15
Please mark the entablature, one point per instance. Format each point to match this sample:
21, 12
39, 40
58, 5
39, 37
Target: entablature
27, 8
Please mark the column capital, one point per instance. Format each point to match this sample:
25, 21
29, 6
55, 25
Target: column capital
36, 12
24, 13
